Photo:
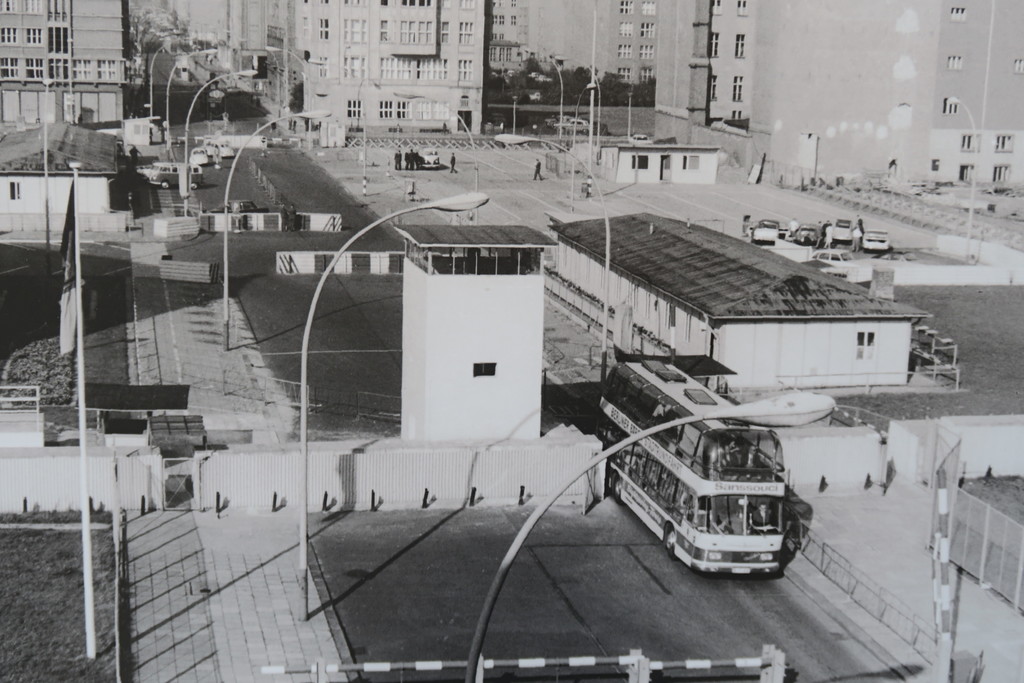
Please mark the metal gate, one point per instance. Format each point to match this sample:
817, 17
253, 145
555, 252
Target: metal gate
179, 483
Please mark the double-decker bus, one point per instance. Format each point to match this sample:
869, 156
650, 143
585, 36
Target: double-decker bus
712, 490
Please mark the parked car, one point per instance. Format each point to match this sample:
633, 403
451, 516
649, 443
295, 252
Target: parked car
895, 256
875, 240
842, 231
200, 157
832, 255
640, 139
240, 206
577, 124
765, 232
807, 235
222, 150
166, 173
431, 158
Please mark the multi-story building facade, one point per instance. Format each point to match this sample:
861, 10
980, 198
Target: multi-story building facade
394, 64
62, 57
869, 86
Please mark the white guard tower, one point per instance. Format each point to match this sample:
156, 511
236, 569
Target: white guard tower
472, 332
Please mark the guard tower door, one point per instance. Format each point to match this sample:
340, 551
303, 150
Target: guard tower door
666, 167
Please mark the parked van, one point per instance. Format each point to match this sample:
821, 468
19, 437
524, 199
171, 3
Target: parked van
167, 173
238, 141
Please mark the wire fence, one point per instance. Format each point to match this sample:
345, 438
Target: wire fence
988, 545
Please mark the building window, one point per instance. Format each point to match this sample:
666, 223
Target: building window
465, 69
15, 189
107, 69
640, 162
716, 6
958, 14
736, 115
647, 30
465, 33
1018, 66
33, 6
625, 73
7, 6
737, 89
58, 40
966, 172
323, 69
417, 3
646, 52
83, 70
354, 67
34, 68
741, 8
499, 20
513, 20
385, 36
33, 36
467, 4
714, 87
305, 27
1000, 174
8, 36
354, 30
741, 44
949, 106
432, 69
485, 369
648, 8
967, 143
325, 29
626, 29
445, 32
954, 63
865, 345
9, 67
935, 164
59, 69
625, 51
354, 109
386, 109
713, 45
646, 74
1004, 143
625, 6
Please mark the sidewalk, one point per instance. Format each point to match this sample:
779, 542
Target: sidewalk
215, 599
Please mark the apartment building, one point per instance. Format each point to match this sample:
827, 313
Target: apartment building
829, 89
394, 64
61, 58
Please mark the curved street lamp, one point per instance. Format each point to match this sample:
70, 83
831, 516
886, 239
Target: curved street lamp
152, 63
974, 172
188, 118
317, 114
788, 410
558, 60
167, 94
362, 117
522, 139
461, 202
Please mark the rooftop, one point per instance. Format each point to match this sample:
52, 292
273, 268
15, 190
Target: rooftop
22, 151
721, 276
517, 236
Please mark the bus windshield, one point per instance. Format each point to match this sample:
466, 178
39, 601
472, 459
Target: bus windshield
738, 454
739, 515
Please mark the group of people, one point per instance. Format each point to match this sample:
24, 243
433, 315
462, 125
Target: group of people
414, 161
826, 237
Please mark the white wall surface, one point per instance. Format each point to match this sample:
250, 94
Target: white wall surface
93, 195
995, 441
705, 173
845, 456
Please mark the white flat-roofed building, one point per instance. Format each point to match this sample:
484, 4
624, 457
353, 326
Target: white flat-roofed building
686, 164
472, 332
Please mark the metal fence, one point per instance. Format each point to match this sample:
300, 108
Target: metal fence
876, 600
988, 545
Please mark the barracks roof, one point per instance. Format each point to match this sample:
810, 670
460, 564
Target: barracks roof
22, 151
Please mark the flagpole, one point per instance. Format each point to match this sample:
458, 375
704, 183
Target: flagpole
90, 618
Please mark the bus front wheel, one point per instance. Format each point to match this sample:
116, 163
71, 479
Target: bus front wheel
617, 488
668, 540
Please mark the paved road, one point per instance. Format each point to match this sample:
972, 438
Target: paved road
409, 586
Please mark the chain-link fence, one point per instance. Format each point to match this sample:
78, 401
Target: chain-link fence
988, 545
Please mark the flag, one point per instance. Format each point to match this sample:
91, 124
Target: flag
68, 298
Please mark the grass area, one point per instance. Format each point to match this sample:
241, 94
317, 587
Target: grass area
52, 517
1005, 494
42, 623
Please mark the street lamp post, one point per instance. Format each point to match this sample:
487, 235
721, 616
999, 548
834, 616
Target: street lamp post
362, 120
770, 412
520, 139
152, 63
462, 202
319, 114
167, 94
285, 80
974, 173
561, 93
472, 143
47, 82
572, 176
187, 190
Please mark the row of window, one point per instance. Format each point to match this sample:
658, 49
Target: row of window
956, 63
424, 110
737, 89
741, 7
646, 29
446, 4
356, 31
626, 73
25, 6
403, 69
1000, 172
499, 20
739, 48
32, 68
59, 38
647, 7
971, 142
626, 52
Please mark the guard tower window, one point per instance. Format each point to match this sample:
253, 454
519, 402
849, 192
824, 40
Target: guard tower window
485, 369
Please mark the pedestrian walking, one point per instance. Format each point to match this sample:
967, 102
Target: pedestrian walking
588, 187
134, 154
398, 159
858, 235
451, 164
828, 235
536, 171
408, 161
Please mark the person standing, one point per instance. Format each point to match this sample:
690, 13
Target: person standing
451, 164
794, 225
536, 171
828, 235
398, 159
858, 234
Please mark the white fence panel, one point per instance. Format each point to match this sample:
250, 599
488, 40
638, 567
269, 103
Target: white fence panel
845, 456
989, 441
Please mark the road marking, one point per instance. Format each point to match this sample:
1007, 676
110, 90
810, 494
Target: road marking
296, 353
12, 270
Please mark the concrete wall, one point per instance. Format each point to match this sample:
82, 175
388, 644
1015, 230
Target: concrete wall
93, 195
305, 262
452, 322
701, 166
989, 441
845, 456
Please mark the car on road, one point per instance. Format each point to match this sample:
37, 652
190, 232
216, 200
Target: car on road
832, 256
431, 158
893, 255
240, 206
842, 231
574, 124
807, 235
166, 174
200, 157
640, 139
765, 232
875, 240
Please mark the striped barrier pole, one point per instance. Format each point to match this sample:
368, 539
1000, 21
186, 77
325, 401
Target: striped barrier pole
941, 587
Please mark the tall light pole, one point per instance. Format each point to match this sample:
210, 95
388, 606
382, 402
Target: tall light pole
769, 412
557, 59
284, 63
520, 140
152, 63
362, 120
974, 172
318, 114
83, 474
167, 94
47, 82
572, 176
472, 143
187, 190
462, 202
